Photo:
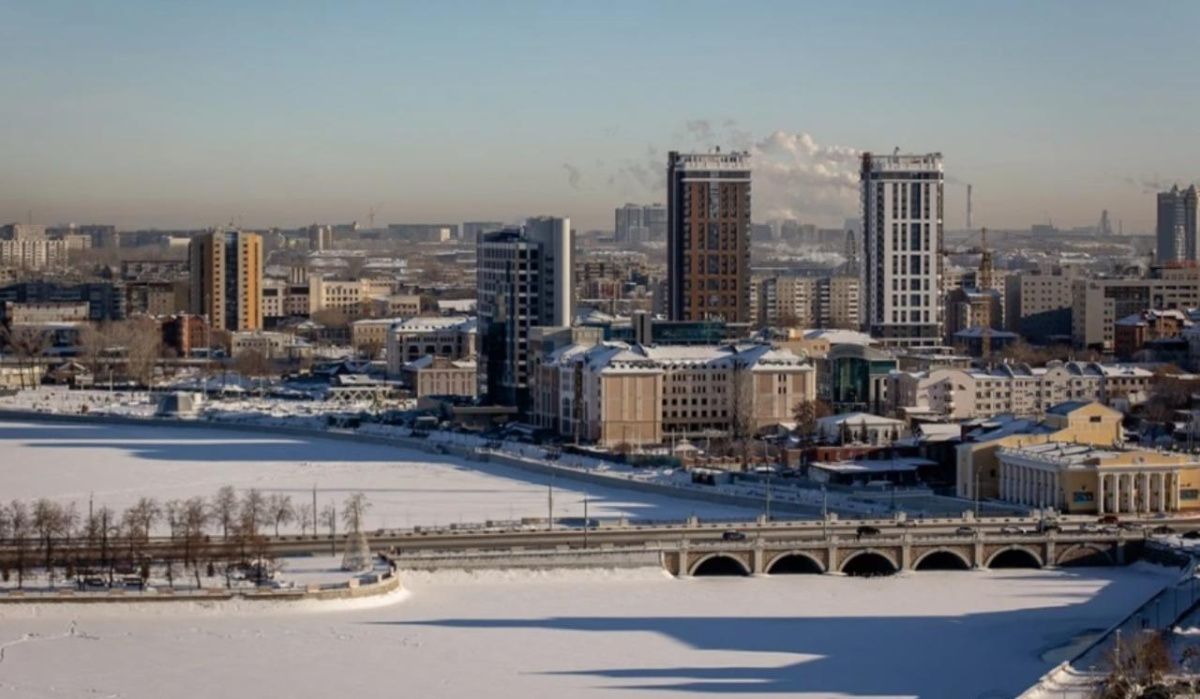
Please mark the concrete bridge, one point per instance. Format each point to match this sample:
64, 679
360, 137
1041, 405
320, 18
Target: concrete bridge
884, 555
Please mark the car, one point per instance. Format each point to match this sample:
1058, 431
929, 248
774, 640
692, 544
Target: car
1193, 534
1162, 529
1109, 519
964, 531
1012, 530
867, 530
732, 535
1048, 525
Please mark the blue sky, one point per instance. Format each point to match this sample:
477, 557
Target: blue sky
150, 113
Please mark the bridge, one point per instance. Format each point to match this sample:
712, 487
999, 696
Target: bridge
771, 548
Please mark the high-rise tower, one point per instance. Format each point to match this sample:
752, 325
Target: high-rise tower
902, 243
708, 236
1177, 225
226, 270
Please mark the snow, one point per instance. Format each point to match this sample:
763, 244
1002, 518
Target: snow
117, 464
590, 633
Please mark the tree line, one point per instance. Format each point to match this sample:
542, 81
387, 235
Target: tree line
102, 543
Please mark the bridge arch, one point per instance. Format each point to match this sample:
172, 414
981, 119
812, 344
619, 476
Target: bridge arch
1085, 554
794, 562
1015, 556
869, 563
719, 564
941, 559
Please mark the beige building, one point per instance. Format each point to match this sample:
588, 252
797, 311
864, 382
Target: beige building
350, 297
395, 306
271, 345
371, 335
1085, 478
226, 279
1038, 302
440, 376
978, 467
813, 302
452, 337
1097, 304
33, 313
614, 393
33, 254
1016, 389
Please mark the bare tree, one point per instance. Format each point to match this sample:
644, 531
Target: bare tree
194, 517
354, 510
254, 513
280, 509
141, 339
20, 526
29, 344
47, 521
329, 519
307, 517
225, 507
252, 363
808, 413
1138, 668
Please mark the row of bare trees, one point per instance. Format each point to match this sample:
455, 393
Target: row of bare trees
51, 536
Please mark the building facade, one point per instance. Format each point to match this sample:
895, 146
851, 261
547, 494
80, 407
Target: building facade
708, 236
1097, 304
809, 302
1176, 229
226, 279
902, 243
453, 337
524, 279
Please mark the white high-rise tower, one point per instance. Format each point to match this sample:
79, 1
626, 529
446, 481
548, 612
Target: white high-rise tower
901, 252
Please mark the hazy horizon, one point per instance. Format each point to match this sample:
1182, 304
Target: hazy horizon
143, 114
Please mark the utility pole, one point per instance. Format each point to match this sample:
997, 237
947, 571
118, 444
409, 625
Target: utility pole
824, 513
550, 504
314, 510
768, 495
585, 521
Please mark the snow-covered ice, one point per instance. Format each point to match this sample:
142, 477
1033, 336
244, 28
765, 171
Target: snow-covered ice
117, 464
591, 633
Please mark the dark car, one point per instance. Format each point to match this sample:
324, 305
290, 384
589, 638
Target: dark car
1109, 519
733, 536
867, 530
965, 531
1162, 529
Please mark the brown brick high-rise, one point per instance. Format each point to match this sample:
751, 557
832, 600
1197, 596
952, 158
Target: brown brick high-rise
708, 236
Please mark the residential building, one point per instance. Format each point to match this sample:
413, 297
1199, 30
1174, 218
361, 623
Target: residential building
637, 223
39, 312
25, 246
1131, 333
320, 237
809, 302
271, 345
370, 336
395, 306
226, 279
471, 230
431, 375
1038, 303
617, 394
105, 300
902, 243
1097, 304
453, 337
708, 236
1176, 230
1015, 389
423, 232
524, 279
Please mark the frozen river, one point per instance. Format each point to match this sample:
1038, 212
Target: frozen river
117, 464
955, 635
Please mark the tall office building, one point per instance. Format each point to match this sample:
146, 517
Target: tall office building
901, 252
226, 270
1177, 225
708, 236
524, 280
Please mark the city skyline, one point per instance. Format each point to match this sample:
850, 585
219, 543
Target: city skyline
145, 116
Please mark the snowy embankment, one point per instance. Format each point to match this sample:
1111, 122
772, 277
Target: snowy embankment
598, 634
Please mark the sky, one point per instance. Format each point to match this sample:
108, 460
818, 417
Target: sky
146, 113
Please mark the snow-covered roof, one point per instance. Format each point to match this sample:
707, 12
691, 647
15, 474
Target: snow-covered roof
872, 465
420, 324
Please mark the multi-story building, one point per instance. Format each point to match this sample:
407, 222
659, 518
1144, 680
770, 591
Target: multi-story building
441, 376
271, 345
471, 230
423, 232
320, 237
36, 313
370, 336
902, 243
635, 223
1176, 230
1097, 304
160, 298
809, 302
1015, 389
618, 394
1038, 303
1132, 332
226, 279
453, 337
708, 236
524, 279
105, 300
351, 297
25, 246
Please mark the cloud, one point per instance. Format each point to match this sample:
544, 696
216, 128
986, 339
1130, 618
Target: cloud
574, 176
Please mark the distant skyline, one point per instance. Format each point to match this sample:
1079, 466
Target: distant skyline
148, 114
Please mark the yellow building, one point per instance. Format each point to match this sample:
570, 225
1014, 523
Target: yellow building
1083, 478
1074, 421
226, 279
